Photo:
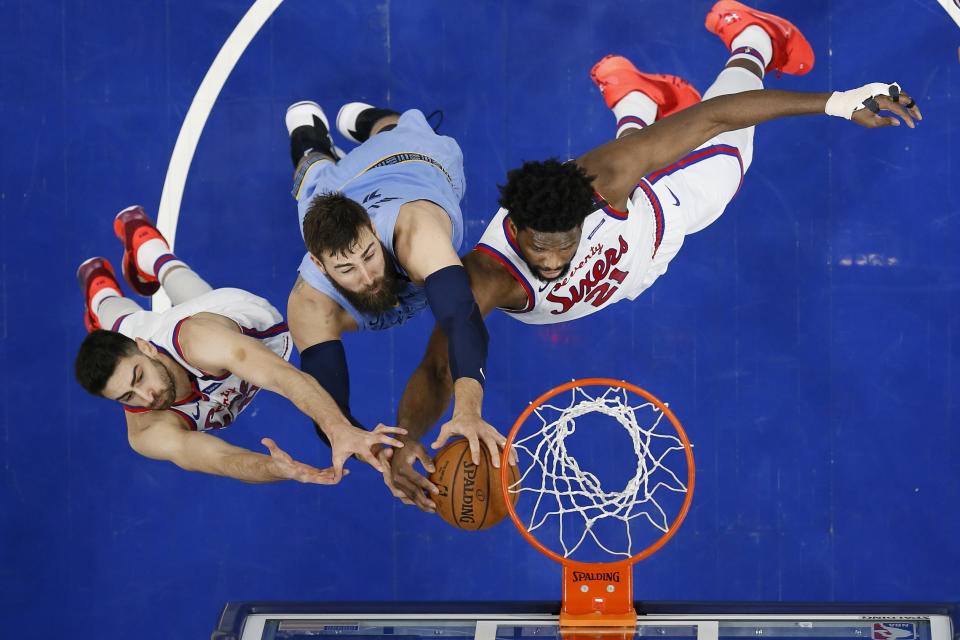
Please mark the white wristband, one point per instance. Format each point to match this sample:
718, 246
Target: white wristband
844, 103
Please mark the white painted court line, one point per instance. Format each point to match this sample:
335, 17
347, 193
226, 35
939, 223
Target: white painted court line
169, 210
953, 8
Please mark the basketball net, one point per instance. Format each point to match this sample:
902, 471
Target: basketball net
598, 594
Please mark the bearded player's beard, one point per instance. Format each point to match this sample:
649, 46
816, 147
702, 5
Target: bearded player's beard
379, 296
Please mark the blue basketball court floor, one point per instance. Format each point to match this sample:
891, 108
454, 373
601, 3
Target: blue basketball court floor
808, 340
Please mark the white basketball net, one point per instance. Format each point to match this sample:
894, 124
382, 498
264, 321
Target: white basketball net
564, 488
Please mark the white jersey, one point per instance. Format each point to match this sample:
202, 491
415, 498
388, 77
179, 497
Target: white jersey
620, 255
215, 402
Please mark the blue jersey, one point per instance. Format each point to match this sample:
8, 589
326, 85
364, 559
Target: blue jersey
392, 168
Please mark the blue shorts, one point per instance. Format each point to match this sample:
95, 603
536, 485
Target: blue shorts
411, 154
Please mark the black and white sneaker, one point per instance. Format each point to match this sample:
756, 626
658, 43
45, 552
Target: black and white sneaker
356, 119
309, 131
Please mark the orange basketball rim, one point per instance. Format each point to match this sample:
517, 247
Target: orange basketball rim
599, 594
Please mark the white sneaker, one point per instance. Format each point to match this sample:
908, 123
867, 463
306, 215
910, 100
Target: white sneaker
347, 120
307, 113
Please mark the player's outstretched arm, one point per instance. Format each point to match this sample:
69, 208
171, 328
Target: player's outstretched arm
163, 436
213, 346
621, 163
430, 387
317, 323
422, 243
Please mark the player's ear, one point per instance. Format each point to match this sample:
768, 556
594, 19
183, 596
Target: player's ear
318, 262
512, 227
146, 348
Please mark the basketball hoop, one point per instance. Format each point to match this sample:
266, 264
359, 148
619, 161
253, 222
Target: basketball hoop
554, 491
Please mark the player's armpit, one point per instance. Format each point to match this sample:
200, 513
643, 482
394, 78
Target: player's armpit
492, 284
314, 317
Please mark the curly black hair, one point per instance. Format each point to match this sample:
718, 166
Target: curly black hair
548, 196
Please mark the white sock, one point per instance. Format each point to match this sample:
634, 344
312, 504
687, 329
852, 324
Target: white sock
733, 80
100, 296
181, 285
110, 308
635, 110
154, 257
752, 43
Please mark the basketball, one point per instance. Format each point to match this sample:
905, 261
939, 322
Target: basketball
470, 496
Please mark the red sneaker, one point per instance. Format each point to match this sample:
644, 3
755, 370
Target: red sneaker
134, 228
94, 274
791, 51
616, 77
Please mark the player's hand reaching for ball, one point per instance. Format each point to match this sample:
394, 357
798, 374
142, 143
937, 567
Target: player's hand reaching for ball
351, 441
403, 480
865, 105
286, 467
477, 431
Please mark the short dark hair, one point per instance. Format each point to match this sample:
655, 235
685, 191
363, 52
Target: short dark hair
98, 356
548, 196
332, 224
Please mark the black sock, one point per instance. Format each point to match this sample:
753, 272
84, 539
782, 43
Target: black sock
366, 120
310, 137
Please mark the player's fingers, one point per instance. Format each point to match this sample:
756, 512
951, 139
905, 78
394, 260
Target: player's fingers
385, 440
402, 489
325, 476
424, 503
494, 449
474, 442
871, 120
897, 107
337, 462
382, 428
269, 444
421, 454
413, 488
442, 438
423, 484
369, 458
908, 103
276, 452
